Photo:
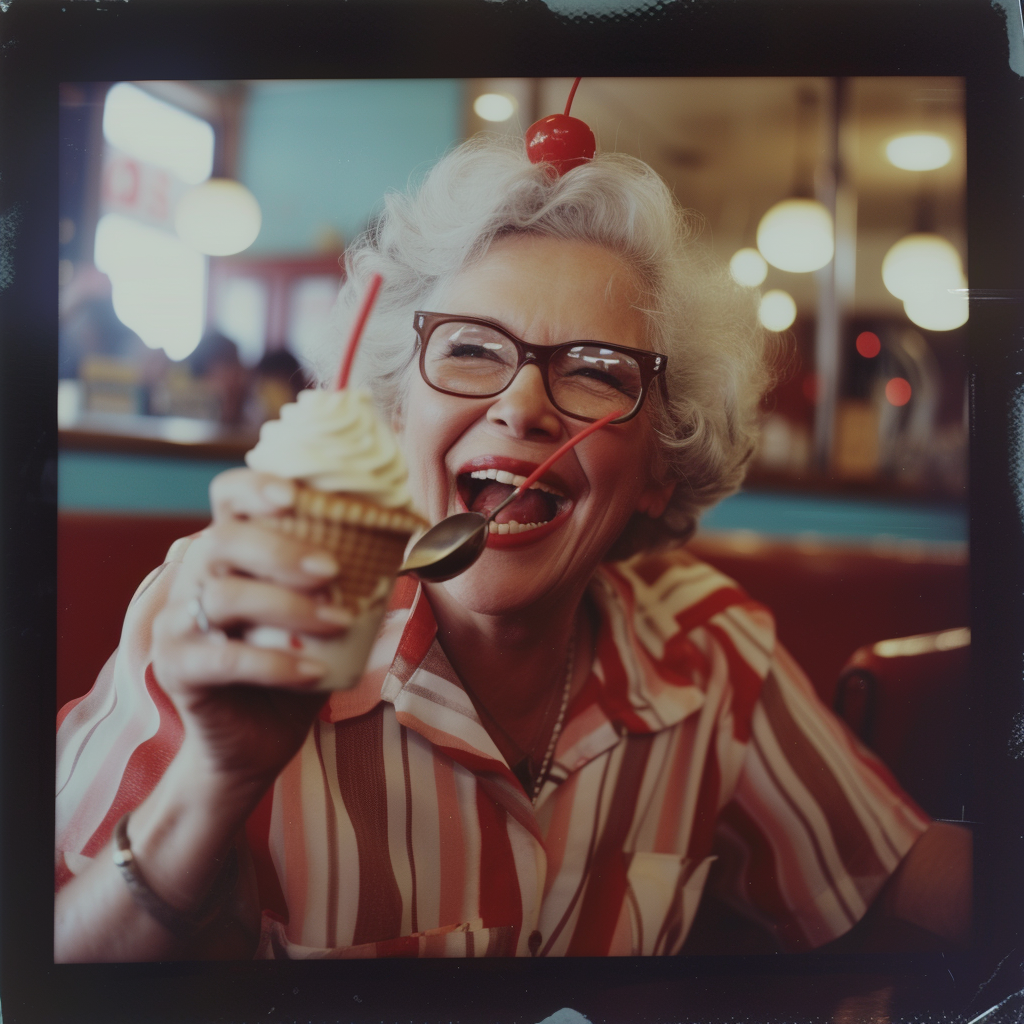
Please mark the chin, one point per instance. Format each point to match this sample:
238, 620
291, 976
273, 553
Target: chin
485, 591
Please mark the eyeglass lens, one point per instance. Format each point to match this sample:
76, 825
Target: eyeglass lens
586, 379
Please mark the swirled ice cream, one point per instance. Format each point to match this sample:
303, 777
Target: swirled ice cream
335, 441
353, 500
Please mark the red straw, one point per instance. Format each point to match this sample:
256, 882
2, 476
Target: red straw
572, 92
571, 443
357, 330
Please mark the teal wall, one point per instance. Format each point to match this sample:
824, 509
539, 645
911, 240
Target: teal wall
357, 139
94, 481
103, 482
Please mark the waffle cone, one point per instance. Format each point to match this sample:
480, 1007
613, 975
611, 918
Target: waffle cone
367, 540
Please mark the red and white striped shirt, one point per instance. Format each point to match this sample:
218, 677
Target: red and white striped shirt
399, 830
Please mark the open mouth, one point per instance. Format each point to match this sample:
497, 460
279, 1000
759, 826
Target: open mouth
482, 490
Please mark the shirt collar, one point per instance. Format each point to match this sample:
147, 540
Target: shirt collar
648, 673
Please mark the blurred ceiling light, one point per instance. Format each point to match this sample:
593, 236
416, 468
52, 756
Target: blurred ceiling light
777, 310
796, 235
158, 133
919, 151
219, 217
159, 283
921, 262
938, 309
748, 267
924, 270
494, 106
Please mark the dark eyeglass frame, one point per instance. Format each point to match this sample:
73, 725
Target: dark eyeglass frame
651, 364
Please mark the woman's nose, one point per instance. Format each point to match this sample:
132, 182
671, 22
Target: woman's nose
524, 407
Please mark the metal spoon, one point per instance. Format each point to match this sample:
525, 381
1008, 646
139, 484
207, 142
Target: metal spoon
455, 543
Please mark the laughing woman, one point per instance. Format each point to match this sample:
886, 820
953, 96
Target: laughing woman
566, 749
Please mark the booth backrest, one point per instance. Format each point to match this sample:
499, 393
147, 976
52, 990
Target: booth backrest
101, 560
908, 699
828, 599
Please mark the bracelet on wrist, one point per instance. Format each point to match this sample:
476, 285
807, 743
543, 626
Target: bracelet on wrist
179, 923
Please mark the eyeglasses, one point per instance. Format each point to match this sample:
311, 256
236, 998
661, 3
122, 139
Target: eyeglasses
475, 358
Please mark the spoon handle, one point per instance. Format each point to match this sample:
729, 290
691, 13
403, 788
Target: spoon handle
552, 459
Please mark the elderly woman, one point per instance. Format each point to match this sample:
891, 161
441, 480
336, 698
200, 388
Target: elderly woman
557, 752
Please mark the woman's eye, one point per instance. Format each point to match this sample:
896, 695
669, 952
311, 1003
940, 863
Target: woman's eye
462, 349
471, 352
601, 377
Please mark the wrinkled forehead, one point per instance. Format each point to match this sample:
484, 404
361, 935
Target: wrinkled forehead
549, 290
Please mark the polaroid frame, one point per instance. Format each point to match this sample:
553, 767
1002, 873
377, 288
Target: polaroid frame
43, 43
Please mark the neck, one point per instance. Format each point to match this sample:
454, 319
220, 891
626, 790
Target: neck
512, 664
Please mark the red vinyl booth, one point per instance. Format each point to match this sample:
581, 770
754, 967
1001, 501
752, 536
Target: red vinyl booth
828, 599
908, 699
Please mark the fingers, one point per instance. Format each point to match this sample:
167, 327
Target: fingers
212, 659
244, 493
233, 600
235, 546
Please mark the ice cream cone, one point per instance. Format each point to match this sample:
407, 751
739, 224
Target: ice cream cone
367, 541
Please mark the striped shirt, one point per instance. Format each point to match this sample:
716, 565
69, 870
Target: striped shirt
696, 755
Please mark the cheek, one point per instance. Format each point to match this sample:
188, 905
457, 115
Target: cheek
622, 469
431, 424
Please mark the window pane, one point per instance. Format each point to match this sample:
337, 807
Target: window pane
242, 316
158, 133
309, 319
159, 283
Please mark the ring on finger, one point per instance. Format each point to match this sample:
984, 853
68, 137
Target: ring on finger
198, 613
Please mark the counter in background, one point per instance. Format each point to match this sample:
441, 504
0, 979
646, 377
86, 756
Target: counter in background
149, 464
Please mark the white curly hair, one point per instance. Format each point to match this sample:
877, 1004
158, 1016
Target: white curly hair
720, 360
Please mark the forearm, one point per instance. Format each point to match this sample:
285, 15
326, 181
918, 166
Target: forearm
181, 836
931, 889
926, 904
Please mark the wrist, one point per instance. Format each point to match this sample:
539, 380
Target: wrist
182, 923
182, 835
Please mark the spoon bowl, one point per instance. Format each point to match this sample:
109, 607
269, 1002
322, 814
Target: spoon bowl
447, 549
455, 543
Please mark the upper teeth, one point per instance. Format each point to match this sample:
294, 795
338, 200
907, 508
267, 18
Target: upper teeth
505, 477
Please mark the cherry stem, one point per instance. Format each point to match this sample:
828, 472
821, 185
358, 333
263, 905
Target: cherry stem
572, 92
571, 443
357, 330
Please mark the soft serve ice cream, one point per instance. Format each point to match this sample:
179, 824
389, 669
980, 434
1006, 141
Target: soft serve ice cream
352, 500
335, 441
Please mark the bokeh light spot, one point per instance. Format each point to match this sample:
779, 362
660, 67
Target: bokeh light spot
777, 310
868, 344
897, 391
494, 106
748, 267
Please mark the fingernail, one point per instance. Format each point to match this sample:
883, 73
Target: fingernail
319, 565
310, 668
333, 614
280, 494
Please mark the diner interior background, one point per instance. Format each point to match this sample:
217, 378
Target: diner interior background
201, 230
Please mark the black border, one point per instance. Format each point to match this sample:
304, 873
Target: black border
43, 42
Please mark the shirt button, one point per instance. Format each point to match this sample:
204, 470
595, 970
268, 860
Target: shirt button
534, 942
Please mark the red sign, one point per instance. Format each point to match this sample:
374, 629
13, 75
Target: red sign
139, 190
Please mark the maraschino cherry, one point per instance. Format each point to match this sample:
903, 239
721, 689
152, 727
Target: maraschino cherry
562, 141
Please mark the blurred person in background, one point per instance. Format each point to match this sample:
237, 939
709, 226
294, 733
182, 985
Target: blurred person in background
215, 364
277, 379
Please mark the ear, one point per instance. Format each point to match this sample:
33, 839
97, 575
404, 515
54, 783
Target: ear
654, 499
